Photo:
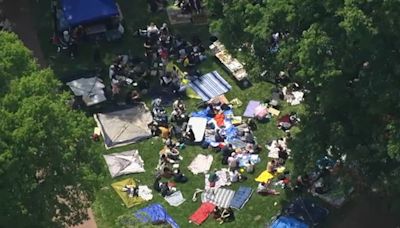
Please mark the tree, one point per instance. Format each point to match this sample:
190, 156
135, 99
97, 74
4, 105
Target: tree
346, 53
48, 166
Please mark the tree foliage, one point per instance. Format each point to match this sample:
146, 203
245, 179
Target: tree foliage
347, 53
47, 164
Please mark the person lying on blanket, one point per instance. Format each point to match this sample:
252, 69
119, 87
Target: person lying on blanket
131, 190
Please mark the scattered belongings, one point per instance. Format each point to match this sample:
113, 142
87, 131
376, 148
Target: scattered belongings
124, 127
231, 64
217, 179
124, 163
90, 89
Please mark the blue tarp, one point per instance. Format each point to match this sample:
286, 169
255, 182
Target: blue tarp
77, 12
287, 222
155, 213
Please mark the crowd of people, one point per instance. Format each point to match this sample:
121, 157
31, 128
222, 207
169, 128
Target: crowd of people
161, 46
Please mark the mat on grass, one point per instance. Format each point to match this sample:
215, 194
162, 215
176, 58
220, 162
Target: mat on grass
155, 213
210, 85
242, 195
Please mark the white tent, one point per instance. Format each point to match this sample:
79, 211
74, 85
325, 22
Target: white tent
124, 163
91, 90
124, 127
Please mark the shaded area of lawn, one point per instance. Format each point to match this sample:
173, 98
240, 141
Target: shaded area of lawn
107, 206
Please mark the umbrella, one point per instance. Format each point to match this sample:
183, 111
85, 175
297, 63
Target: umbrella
260, 112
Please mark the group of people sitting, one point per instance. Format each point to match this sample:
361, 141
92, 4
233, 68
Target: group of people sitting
161, 45
123, 72
175, 127
189, 6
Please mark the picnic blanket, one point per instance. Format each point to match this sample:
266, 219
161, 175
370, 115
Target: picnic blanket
250, 109
287, 222
210, 85
124, 163
155, 213
264, 177
128, 201
221, 197
175, 199
242, 195
198, 126
201, 164
202, 213
223, 179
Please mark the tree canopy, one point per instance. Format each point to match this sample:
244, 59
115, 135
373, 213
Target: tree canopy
48, 168
346, 52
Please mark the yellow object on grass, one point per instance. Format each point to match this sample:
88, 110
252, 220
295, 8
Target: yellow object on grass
129, 201
280, 169
189, 91
264, 177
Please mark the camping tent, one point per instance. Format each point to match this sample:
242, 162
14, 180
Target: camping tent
124, 163
305, 210
80, 12
91, 90
124, 127
287, 222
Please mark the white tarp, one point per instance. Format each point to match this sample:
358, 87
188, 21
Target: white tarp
198, 126
124, 163
91, 90
124, 127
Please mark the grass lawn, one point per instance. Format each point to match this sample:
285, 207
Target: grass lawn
107, 206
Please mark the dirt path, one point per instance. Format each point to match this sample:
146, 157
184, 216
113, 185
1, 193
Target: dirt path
19, 12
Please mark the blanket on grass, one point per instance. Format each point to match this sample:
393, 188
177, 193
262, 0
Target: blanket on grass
202, 213
242, 195
155, 213
221, 197
175, 199
210, 85
201, 164
223, 179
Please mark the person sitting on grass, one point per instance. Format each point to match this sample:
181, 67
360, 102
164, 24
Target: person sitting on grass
272, 166
179, 177
188, 136
265, 189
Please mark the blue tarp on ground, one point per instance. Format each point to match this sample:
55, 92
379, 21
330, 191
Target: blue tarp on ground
78, 12
287, 222
155, 213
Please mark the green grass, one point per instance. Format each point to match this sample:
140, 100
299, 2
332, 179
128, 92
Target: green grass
107, 206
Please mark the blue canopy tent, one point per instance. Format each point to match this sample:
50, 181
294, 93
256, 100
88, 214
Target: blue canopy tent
287, 222
80, 12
